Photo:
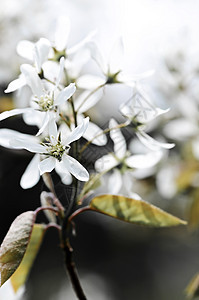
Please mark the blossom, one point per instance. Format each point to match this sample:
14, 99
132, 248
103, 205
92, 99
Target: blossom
112, 70
50, 153
121, 161
44, 103
139, 111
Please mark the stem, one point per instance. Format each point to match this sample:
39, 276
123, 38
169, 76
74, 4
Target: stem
70, 267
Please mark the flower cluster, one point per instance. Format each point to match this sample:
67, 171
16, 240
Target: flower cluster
58, 97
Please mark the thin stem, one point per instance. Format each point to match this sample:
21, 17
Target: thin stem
77, 212
55, 210
72, 271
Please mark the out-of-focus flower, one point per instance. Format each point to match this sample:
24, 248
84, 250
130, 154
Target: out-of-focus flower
121, 161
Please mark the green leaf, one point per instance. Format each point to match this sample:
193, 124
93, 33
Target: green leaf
133, 211
21, 274
192, 290
14, 244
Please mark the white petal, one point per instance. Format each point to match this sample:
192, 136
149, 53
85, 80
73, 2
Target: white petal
90, 82
66, 177
45, 123
118, 140
105, 163
31, 175
6, 135
41, 52
151, 143
97, 56
75, 168
82, 43
34, 147
92, 131
87, 100
32, 79
142, 161
77, 132
47, 165
61, 33
180, 129
65, 94
116, 57
115, 182
131, 80
14, 112
16, 84
25, 49
61, 70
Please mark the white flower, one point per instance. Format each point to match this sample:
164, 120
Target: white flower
44, 102
122, 161
51, 153
36, 53
56, 150
140, 111
111, 69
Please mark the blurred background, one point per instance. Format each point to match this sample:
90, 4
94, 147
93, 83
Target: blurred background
116, 260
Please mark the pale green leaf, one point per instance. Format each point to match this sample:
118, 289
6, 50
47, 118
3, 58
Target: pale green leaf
133, 211
14, 244
19, 277
192, 290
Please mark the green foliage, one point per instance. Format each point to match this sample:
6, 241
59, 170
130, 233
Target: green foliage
15, 244
134, 211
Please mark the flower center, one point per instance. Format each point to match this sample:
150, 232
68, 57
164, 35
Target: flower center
45, 102
56, 150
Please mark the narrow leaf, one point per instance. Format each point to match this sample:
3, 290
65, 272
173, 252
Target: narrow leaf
14, 244
134, 211
18, 279
192, 290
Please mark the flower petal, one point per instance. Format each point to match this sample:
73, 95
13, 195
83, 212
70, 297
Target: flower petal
75, 168
141, 161
47, 165
87, 100
77, 132
116, 57
65, 94
82, 43
151, 143
16, 84
118, 140
25, 49
14, 112
61, 33
105, 163
26, 144
65, 176
90, 82
97, 56
31, 175
40, 52
92, 131
6, 135
32, 79
115, 182
61, 70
